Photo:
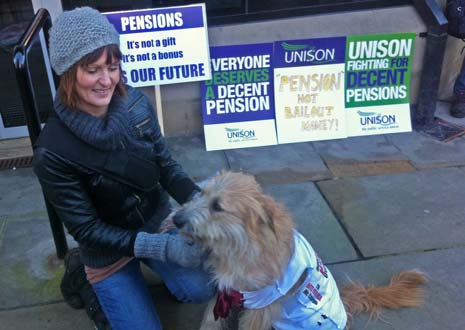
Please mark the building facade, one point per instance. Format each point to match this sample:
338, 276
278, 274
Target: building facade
230, 22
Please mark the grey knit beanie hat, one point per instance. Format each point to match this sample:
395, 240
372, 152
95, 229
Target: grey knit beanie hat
76, 33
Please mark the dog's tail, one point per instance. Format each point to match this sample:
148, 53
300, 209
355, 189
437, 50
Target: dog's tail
402, 291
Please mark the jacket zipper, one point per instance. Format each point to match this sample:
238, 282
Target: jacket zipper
143, 123
134, 104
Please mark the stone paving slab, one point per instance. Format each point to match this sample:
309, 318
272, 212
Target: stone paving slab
30, 272
426, 152
197, 162
399, 213
279, 164
13, 148
370, 168
362, 156
372, 148
315, 220
443, 308
173, 315
45, 317
20, 193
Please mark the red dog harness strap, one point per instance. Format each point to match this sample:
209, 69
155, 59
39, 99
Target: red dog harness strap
225, 300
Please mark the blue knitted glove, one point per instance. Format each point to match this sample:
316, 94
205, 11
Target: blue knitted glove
167, 247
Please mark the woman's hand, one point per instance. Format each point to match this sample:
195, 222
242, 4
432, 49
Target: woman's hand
168, 247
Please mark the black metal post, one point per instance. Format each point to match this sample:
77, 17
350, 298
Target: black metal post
432, 64
41, 20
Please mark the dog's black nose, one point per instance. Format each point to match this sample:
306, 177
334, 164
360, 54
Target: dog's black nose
179, 220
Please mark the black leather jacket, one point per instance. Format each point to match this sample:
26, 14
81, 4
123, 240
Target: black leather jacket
101, 213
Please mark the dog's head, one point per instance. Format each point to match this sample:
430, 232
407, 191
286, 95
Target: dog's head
232, 211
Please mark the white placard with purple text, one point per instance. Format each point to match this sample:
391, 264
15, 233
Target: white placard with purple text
163, 45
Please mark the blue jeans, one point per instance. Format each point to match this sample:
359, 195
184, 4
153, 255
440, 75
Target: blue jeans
126, 300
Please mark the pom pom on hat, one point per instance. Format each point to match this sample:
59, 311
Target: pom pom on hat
76, 33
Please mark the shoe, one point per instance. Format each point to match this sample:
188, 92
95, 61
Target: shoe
73, 279
458, 107
78, 293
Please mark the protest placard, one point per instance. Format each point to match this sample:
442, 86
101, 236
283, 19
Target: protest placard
237, 103
163, 45
309, 89
377, 91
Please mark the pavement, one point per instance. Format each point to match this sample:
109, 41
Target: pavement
371, 206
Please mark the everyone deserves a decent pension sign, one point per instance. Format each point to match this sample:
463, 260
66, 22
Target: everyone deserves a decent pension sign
238, 102
163, 45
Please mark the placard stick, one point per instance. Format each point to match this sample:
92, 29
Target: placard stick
158, 105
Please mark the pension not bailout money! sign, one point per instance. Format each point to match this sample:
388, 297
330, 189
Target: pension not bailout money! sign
238, 104
309, 89
163, 45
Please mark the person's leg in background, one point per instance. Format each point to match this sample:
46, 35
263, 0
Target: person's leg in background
458, 106
126, 300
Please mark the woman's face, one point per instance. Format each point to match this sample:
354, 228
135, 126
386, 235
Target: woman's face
95, 85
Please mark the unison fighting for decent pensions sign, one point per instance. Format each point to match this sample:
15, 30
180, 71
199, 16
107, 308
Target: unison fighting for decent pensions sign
163, 45
377, 91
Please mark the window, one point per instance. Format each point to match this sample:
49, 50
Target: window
236, 11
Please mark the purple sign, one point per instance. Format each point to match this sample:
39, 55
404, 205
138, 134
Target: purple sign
241, 88
309, 52
154, 20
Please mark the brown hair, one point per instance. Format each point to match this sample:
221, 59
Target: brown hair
67, 89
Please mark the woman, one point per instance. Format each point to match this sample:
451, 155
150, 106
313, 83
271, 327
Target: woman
113, 208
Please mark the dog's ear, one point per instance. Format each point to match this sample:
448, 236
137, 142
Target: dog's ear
277, 217
270, 211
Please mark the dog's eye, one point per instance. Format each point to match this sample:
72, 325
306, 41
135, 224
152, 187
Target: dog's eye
215, 205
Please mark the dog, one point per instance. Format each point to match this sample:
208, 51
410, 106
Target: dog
262, 264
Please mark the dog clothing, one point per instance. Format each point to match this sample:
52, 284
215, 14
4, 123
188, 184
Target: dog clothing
316, 304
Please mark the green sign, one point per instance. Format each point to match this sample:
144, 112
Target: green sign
378, 69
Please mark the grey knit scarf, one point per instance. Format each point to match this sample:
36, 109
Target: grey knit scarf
107, 133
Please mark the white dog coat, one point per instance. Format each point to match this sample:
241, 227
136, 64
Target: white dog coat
316, 304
